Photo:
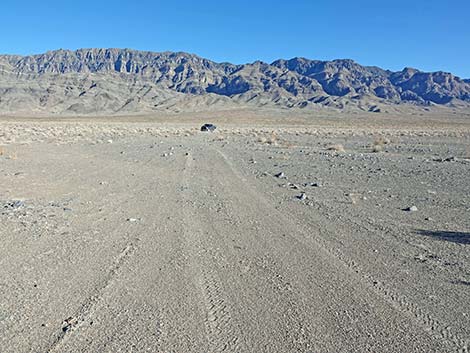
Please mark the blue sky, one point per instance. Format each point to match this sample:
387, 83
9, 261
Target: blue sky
430, 35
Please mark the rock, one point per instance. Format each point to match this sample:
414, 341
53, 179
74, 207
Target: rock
280, 175
208, 127
411, 209
69, 323
302, 197
132, 220
448, 159
14, 204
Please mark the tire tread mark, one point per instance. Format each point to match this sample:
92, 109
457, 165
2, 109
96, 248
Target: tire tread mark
399, 302
85, 310
218, 322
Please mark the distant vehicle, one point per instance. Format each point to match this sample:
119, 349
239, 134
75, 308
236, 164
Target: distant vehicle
208, 127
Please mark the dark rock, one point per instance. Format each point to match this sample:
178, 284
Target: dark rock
208, 127
14, 204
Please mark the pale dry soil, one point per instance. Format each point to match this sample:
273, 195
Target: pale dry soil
144, 237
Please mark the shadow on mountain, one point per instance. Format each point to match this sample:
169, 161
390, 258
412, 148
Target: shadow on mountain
454, 237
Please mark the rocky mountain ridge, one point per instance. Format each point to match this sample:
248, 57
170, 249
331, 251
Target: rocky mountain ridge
115, 80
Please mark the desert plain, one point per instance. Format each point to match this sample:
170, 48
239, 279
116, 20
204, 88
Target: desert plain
279, 232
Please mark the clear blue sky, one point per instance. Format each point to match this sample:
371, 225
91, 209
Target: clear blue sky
427, 34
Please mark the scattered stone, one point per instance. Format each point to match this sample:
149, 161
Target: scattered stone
110, 141
420, 258
411, 209
132, 220
69, 323
448, 159
14, 204
280, 175
302, 197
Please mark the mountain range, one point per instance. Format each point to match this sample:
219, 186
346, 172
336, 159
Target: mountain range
110, 81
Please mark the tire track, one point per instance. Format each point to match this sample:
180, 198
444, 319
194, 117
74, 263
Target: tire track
399, 302
266, 267
222, 334
218, 320
431, 325
82, 316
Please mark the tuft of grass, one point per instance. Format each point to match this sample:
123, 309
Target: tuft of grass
377, 148
272, 139
467, 154
379, 143
336, 148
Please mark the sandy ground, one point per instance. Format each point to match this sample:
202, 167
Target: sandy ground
152, 236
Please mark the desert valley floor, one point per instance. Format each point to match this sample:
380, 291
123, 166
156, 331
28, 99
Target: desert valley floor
270, 235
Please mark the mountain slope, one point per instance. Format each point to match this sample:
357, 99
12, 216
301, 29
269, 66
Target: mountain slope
92, 81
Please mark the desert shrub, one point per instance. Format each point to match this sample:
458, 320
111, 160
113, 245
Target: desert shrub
336, 147
377, 148
379, 143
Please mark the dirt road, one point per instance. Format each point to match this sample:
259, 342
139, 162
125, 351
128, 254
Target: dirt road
175, 246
